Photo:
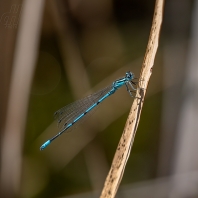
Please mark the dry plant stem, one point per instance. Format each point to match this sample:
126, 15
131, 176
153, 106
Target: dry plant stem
124, 147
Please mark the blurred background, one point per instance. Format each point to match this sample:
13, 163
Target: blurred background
55, 52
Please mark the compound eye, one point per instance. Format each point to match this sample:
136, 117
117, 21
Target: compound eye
128, 74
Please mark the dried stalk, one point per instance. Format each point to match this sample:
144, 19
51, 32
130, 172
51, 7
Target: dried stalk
124, 147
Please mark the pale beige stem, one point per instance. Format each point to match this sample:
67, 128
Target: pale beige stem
124, 147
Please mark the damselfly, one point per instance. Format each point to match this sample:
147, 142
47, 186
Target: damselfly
69, 115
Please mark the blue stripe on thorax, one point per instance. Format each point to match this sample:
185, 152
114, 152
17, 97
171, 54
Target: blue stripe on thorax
119, 83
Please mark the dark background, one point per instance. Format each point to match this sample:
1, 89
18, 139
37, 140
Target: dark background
83, 46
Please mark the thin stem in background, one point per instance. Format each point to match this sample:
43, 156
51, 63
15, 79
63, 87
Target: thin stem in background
23, 69
175, 52
185, 155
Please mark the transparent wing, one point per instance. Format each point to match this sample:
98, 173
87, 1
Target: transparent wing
69, 113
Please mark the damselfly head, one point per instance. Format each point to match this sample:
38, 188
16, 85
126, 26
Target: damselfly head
129, 75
